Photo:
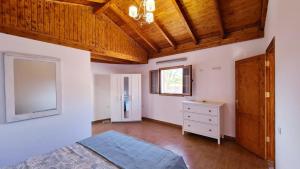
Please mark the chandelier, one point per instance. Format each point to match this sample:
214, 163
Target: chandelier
144, 11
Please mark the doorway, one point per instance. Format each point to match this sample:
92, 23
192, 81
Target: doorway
102, 88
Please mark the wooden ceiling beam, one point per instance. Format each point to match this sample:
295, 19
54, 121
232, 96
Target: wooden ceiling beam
219, 19
133, 26
119, 56
165, 35
184, 18
103, 8
107, 59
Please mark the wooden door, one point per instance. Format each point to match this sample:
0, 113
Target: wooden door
250, 104
270, 101
136, 114
116, 98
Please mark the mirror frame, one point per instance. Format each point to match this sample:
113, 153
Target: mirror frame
11, 115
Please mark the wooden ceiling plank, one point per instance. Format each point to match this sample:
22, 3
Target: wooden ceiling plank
104, 61
220, 19
133, 26
250, 33
184, 18
104, 15
235, 32
264, 14
82, 2
165, 35
98, 1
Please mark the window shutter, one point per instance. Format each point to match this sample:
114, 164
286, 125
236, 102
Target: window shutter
154, 81
187, 80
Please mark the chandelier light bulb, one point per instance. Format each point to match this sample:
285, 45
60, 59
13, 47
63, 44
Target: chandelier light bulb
133, 11
150, 5
149, 17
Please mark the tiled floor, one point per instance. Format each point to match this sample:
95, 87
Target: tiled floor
199, 152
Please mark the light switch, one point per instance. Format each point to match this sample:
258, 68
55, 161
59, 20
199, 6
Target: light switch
279, 130
216, 68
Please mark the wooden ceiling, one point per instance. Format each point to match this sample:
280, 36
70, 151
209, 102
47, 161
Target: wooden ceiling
104, 27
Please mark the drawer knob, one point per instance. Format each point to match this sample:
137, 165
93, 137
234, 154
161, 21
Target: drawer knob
209, 119
209, 130
189, 108
189, 125
189, 116
209, 111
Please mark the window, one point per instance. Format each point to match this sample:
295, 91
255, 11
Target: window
154, 81
172, 81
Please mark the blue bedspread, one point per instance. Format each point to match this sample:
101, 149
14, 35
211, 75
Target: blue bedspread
130, 153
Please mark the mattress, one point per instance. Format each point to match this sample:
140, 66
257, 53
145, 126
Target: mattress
69, 157
121, 150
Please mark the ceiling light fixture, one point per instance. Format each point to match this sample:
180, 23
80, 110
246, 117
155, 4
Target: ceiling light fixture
144, 11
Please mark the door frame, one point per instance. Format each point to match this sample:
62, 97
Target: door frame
270, 101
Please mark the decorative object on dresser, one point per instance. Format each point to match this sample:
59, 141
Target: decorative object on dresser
203, 118
126, 97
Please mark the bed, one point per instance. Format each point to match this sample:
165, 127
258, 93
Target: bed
109, 150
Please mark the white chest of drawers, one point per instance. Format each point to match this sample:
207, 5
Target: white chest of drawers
203, 118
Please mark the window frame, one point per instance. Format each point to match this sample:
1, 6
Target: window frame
150, 82
173, 94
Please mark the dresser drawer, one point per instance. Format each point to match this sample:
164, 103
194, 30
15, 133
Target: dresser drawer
201, 118
200, 128
200, 109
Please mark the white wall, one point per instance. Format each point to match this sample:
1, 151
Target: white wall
271, 21
284, 23
102, 68
102, 89
21, 140
214, 79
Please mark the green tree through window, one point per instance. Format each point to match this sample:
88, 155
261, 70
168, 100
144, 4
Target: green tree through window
172, 81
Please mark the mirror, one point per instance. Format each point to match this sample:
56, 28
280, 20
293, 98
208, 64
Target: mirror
126, 97
32, 86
